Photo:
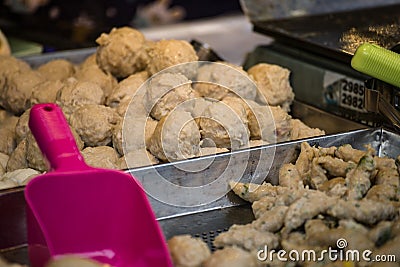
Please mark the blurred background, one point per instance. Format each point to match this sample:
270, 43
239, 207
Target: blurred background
61, 24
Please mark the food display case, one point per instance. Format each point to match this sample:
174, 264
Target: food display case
318, 75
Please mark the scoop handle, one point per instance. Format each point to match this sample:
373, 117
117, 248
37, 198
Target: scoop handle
54, 137
377, 62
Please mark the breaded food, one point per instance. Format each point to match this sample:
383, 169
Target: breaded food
46, 92
176, 137
167, 53
268, 123
22, 127
88, 61
365, 211
358, 180
95, 75
273, 85
300, 130
166, 91
76, 94
271, 220
231, 257
7, 140
20, 176
221, 79
137, 158
224, 126
137, 133
94, 124
121, 52
126, 89
9, 65
18, 90
187, 251
101, 157
17, 158
56, 69
246, 237
289, 177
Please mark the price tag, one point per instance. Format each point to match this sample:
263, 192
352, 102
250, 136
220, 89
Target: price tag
344, 91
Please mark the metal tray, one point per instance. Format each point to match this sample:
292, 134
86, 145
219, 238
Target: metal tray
204, 220
209, 220
337, 35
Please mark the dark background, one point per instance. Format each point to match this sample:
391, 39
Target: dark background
67, 30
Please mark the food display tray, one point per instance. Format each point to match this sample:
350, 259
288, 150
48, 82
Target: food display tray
205, 221
208, 220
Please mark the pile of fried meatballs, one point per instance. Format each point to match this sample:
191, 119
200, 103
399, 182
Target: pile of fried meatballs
181, 108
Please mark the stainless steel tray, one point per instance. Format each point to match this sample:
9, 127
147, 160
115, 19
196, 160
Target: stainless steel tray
205, 221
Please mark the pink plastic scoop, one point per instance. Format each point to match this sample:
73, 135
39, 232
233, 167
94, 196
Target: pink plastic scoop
90, 212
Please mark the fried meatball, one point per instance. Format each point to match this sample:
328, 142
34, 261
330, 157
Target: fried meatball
21, 176
137, 133
3, 160
176, 137
222, 125
206, 151
167, 53
137, 158
222, 79
57, 69
95, 75
9, 65
121, 52
22, 127
273, 85
46, 92
94, 124
18, 91
231, 257
101, 157
165, 92
76, 94
300, 130
7, 140
17, 158
88, 62
126, 89
187, 251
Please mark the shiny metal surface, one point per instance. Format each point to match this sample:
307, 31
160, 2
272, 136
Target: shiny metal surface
208, 220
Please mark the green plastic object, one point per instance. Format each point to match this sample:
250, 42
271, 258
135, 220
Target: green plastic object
377, 62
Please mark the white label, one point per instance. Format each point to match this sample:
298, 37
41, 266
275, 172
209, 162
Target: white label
344, 91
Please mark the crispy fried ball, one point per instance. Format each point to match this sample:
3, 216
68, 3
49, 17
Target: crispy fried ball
46, 92
187, 251
167, 53
94, 124
101, 157
18, 90
176, 137
57, 69
121, 52
273, 85
222, 79
76, 94
95, 75
165, 92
